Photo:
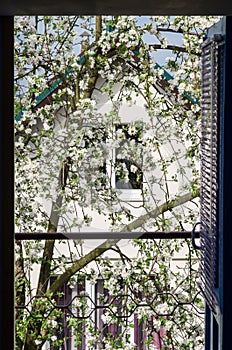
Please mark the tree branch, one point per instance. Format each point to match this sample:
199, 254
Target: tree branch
98, 27
160, 210
179, 31
171, 47
85, 260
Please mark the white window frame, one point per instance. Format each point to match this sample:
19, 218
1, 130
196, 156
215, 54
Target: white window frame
129, 194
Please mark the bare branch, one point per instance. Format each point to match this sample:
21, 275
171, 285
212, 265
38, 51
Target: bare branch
179, 31
171, 47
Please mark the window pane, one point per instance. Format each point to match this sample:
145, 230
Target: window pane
129, 163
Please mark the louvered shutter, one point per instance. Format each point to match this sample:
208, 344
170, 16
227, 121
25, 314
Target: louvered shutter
212, 67
216, 184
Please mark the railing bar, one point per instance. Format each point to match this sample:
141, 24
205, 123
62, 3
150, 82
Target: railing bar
103, 235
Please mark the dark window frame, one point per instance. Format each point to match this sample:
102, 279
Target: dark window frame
7, 11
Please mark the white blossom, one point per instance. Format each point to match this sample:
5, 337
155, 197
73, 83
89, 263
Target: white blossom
53, 338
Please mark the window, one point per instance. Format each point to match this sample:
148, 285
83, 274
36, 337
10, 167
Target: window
124, 165
62, 331
120, 167
128, 157
103, 304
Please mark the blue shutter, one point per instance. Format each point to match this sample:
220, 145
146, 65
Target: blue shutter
216, 184
212, 56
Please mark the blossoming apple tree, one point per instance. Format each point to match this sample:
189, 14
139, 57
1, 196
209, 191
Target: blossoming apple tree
65, 171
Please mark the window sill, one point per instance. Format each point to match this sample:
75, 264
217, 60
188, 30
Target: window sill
130, 195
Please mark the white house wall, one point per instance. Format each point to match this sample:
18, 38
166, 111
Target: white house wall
129, 113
